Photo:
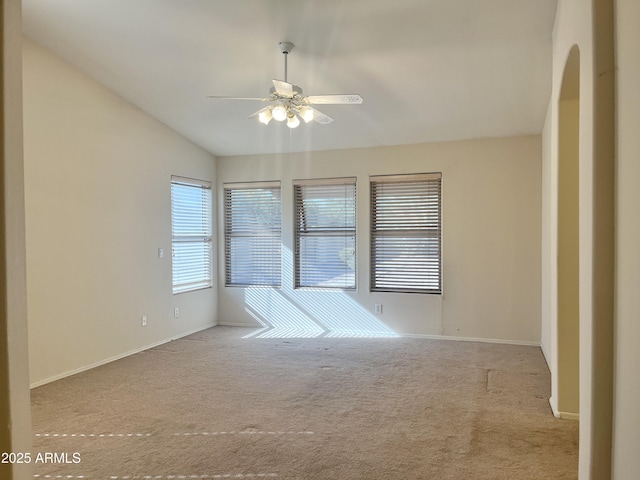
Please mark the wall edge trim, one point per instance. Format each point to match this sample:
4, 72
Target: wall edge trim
84, 368
418, 335
472, 339
569, 416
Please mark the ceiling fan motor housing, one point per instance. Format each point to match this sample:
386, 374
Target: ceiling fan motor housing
286, 47
297, 92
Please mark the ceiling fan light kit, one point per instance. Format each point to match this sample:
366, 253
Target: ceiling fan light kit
265, 116
279, 112
288, 103
293, 121
306, 113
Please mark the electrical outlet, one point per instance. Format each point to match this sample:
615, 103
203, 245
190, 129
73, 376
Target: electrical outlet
144, 321
378, 308
161, 253
176, 312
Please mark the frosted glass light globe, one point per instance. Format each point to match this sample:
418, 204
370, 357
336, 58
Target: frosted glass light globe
265, 116
307, 114
279, 113
293, 121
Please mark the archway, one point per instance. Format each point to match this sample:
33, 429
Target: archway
568, 326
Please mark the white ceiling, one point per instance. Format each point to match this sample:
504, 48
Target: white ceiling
428, 70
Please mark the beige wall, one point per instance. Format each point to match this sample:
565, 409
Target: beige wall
97, 181
626, 427
568, 260
586, 25
15, 411
573, 26
491, 241
549, 218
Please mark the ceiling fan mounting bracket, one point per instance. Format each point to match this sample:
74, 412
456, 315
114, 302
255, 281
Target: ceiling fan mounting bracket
286, 47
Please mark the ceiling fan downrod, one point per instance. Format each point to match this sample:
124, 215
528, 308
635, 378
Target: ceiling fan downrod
285, 48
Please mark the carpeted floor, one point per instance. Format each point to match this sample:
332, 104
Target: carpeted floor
216, 405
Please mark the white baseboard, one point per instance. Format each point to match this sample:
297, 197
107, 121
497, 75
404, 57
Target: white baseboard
569, 416
240, 324
116, 357
471, 339
415, 335
564, 415
84, 368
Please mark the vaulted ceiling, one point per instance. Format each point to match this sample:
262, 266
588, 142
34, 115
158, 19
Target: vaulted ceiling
428, 70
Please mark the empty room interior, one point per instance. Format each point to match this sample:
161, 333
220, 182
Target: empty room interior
320, 239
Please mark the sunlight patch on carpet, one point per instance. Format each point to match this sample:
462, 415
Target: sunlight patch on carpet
310, 313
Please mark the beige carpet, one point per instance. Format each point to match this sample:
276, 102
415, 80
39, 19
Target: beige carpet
216, 405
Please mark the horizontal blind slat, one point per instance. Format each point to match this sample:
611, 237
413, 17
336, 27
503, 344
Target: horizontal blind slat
406, 233
191, 227
325, 233
253, 234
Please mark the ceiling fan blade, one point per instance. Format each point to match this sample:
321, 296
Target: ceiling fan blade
353, 99
255, 114
321, 118
284, 89
238, 98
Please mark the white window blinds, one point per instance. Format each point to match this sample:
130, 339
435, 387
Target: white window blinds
406, 233
325, 233
253, 234
191, 234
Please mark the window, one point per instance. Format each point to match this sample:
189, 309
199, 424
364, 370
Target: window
325, 233
252, 234
190, 234
406, 233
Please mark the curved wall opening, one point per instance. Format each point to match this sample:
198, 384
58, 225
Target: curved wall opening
568, 326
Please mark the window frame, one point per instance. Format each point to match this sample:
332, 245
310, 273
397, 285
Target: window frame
319, 232
202, 235
247, 232
406, 234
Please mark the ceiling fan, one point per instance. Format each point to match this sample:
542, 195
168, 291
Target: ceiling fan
287, 102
